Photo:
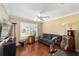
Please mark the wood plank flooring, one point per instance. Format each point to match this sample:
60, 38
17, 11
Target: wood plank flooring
35, 49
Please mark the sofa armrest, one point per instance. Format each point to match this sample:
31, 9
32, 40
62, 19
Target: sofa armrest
57, 40
40, 37
54, 38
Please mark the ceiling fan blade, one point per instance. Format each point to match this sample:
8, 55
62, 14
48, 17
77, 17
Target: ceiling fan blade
42, 19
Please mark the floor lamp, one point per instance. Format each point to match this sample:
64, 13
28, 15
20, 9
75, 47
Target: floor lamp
14, 37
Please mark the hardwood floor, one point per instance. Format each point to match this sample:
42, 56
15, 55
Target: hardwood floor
38, 49
35, 49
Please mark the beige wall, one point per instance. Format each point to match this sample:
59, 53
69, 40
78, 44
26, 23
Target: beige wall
59, 26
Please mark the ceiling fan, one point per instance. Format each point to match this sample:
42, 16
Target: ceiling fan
43, 16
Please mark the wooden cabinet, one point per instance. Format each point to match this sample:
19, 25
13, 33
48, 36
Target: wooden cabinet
9, 49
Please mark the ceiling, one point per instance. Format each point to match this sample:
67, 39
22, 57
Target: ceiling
32, 10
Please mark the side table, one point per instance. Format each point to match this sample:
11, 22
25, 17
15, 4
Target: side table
22, 42
31, 39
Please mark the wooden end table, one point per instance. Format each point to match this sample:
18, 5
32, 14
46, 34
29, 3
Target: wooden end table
31, 39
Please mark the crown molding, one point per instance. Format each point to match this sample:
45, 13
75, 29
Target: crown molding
70, 14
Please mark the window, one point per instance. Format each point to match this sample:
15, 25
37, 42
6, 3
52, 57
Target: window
28, 29
5, 28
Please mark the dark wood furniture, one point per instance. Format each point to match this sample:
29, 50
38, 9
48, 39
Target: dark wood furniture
31, 39
68, 41
22, 42
9, 49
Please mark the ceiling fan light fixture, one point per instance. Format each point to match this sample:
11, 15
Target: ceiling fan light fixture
43, 16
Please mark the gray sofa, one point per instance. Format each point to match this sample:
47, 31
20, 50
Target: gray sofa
49, 38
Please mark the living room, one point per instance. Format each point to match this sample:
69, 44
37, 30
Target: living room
32, 22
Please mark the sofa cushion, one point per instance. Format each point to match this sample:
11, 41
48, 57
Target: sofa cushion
48, 36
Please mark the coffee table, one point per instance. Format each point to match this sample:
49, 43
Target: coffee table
22, 42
